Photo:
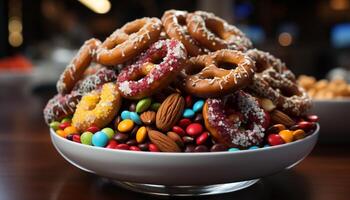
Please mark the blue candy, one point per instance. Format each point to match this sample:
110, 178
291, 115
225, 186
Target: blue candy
125, 114
135, 117
100, 139
233, 149
198, 106
266, 145
188, 113
253, 147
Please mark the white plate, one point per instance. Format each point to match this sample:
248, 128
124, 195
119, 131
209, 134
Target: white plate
171, 171
334, 116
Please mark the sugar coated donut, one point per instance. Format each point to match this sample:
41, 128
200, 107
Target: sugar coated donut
61, 106
153, 70
205, 75
128, 41
215, 33
97, 108
174, 22
277, 83
227, 119
76, 68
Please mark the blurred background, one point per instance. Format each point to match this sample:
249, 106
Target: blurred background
38, 38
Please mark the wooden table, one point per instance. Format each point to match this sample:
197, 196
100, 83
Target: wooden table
30, 167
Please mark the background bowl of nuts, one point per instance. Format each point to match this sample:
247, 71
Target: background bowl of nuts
185, 173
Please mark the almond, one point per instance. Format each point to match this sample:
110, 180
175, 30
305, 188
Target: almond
148, 117
163, 142
170, 111
278, 117
176, 138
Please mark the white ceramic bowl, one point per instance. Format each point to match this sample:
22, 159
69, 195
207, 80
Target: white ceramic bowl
334, 116
184, 173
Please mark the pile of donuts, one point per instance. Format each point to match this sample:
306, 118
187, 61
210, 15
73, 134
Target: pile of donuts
188, 82
325, 89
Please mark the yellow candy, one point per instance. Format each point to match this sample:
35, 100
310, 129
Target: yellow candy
61, 133
70, 130
286, 135
299, 134
141, 134
125, 125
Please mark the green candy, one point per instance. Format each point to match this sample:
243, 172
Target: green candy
66, 119
109, 132
155, 106
86, 138
143, 105
54, 125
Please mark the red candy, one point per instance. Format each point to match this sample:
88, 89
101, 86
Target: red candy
112, 144
189, 101
305, 125
202, 138
76, 138
134, 148
194, 129
312, 118
179, 130
64, 125
274, 139
153, 148
183, 123
122, 146
93, 129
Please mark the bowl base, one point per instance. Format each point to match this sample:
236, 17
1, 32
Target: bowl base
194, 190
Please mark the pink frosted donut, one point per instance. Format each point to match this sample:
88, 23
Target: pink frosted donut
153, 70
61, 106
220, 118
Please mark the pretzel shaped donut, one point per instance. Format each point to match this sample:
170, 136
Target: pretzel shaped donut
205, 77
174, 22
128, 41
146, 76
277, 83
225, 118
215, 33
76, 68
97, 108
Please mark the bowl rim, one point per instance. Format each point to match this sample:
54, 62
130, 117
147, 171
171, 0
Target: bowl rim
344, 100
309, 137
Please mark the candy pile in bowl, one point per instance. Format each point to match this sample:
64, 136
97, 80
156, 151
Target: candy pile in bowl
189, 82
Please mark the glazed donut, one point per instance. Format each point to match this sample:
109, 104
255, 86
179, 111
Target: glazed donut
174, 22
215, 33
277, 83
95, 81
146, 76
128, 41
97, 107
75, 70
205, 77
61, 106
248, 130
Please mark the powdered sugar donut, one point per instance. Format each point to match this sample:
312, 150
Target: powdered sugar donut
153, 70
174, 22
61, 106
220, 118
277, 83
128, 41
215, 33
76, 68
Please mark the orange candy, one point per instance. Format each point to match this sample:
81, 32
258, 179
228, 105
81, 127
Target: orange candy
299, 134
286, 135
61, 133
70, 130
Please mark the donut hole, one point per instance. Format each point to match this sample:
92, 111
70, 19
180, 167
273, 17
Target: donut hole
226, 65
287, 92
182, 21
213, 28
157, 59
194, 69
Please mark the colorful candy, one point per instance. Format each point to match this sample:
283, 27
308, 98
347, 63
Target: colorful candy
86, 138
275, 139
198, 106
143, 105
194, 129
141, 134
286, 135
126, 125
54, 125
109, 132
99, 139
188, 113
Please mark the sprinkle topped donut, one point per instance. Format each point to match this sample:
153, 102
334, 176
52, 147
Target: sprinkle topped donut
153, 70
218, 73
76, 68
215, 33
128, 41
174, 22
227, 120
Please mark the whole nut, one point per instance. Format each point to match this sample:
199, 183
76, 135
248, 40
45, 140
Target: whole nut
174, 136
148, 117
170, 111
278, 117
163, 142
